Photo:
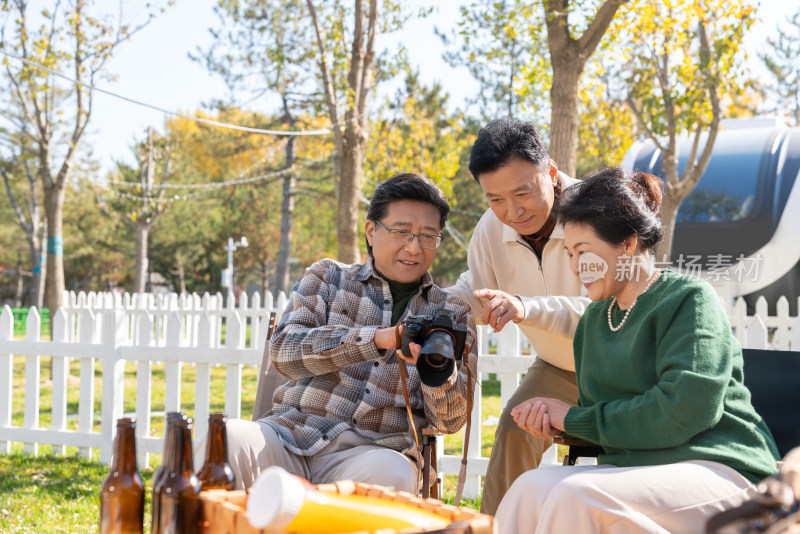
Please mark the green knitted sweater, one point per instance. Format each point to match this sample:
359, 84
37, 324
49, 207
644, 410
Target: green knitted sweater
667, 387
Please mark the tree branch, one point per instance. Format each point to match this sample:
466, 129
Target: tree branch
555, 16
30, 115
330, 94
160, 193
33, 209
662, 75
20, 216
695, 146
357, 54
597, 28
367, 65
52, 32
690, 179
642, 124
36, 114
80, 121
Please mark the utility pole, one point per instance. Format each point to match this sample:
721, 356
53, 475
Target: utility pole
227, 276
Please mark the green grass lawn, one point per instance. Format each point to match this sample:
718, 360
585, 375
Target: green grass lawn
61, 494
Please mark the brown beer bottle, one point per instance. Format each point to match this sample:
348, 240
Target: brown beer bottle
122, 494
216, 473
171, 418
158, 475
179, 505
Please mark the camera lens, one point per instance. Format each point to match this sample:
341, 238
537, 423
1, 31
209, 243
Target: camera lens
436, 359
438, 346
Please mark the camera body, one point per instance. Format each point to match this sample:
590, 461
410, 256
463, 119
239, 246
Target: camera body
442, 343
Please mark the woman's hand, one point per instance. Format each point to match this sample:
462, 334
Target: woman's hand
541, 417
500, 308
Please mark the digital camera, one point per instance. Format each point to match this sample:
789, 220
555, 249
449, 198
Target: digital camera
442, 345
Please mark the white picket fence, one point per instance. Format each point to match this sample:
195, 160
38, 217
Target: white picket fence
777, 332
176, 330
114, 329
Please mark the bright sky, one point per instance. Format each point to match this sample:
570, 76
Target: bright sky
154, 67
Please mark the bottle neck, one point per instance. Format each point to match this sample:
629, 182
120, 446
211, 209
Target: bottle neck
217, 452
180, 458
169, 444
124, 450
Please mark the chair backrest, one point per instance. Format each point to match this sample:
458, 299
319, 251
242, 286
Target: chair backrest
773, 378
268, 377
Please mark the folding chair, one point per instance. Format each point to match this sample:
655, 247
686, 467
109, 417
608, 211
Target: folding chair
577, 448
268, 378
772, 376
433, 490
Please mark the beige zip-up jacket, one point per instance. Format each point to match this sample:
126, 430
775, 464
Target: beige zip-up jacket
554, 298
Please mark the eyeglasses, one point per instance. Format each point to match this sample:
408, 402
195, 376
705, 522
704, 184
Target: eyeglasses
404, 237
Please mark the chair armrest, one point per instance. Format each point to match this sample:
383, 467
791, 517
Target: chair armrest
569, 441
578, 447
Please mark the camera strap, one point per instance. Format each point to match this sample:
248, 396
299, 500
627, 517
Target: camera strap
462, 472
404, 382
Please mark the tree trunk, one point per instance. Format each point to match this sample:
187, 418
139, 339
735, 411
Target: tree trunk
20, 283
54, 283
32, 229
669, 214
564, 112
140, 267
181, 271
670, 202
265, 278
349, 199
35, 245
287, 213
35, 295
42, 265
569, 54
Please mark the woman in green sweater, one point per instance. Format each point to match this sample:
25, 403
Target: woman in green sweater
660, 383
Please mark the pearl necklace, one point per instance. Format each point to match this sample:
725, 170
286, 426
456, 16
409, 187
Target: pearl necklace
653, 277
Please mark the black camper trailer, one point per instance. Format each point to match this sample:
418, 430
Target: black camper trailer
741, 223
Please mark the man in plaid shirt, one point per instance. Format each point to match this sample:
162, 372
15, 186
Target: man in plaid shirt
340, 412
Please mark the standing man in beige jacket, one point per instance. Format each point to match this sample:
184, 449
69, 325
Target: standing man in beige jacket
518, 271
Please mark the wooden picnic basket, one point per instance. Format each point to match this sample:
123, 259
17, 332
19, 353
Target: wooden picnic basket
225, 510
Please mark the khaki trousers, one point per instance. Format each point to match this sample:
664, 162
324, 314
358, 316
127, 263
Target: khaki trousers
664, 499
253, 446
515, 451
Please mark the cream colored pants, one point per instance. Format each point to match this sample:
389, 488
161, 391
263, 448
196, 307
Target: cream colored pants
254, 446
515, 451
666, 499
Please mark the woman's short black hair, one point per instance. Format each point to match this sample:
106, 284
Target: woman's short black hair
406, 186
504, 139
616, 204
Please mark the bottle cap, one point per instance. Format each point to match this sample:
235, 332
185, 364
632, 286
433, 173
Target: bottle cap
275, 499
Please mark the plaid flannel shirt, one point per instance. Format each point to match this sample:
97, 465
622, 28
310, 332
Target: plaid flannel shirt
335, 379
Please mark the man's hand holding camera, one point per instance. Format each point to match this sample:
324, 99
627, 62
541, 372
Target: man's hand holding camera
392, 338
434, 343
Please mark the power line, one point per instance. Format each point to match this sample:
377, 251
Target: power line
216, 185
162, 110
154, 199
